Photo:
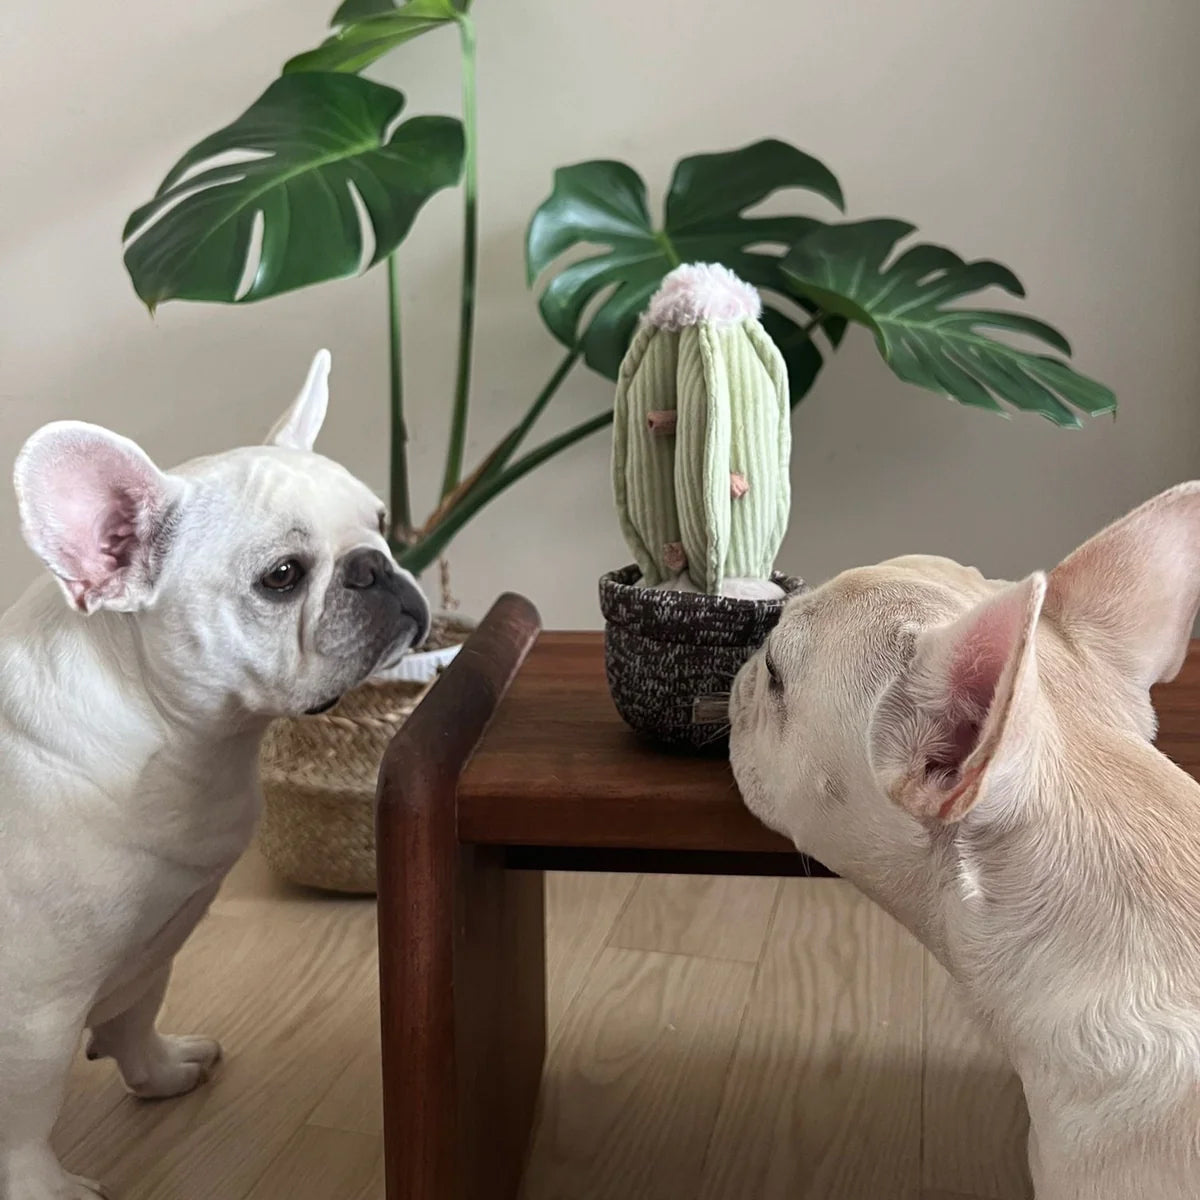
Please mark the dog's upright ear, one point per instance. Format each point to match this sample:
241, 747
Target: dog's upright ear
1131, 593
953, 731
96, 511
298, 428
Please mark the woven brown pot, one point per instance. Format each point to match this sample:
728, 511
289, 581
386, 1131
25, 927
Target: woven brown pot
318, 778
664, 650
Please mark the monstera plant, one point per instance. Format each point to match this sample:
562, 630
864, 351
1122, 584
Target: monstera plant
320, 178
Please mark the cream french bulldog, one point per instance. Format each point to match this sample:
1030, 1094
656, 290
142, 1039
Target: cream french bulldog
201, 603
976, 756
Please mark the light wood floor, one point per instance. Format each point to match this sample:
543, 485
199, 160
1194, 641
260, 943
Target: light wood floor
716, 1039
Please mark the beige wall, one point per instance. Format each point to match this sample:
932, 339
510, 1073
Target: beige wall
1061, 136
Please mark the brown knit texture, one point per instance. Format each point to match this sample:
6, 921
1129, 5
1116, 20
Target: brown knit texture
664, 650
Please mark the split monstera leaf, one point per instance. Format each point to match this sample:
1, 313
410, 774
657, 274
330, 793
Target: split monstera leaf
316, 180
705, 221
908, 303
833, 273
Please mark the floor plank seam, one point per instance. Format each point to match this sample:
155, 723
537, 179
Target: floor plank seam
638, 884
711, 958
586, 974
103, 1112
263, 1174
769, 932
737, 1041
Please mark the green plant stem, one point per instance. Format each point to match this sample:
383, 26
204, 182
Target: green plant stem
668, 248
421, 555
466, 322
498, 458
813, 323
399, 498
521, 430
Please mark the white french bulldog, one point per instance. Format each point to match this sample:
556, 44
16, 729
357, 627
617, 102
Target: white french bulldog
203, 602
976, 756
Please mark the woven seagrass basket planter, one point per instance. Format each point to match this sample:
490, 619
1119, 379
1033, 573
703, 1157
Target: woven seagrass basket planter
319, 773
664, 650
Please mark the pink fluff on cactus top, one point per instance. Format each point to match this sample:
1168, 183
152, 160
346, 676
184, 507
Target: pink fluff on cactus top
699, 292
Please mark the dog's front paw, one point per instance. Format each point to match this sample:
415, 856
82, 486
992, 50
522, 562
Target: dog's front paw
173, 1067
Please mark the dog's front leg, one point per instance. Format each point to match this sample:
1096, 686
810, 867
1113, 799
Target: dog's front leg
154, 1066
35, 1056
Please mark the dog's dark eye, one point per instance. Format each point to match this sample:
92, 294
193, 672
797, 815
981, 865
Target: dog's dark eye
383, 524
283, 576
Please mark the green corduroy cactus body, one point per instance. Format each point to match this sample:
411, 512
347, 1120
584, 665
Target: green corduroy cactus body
702, 436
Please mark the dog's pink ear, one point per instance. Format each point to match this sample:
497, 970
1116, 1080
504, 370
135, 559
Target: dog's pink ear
953, 730
94, 509
1133, 590
297, 429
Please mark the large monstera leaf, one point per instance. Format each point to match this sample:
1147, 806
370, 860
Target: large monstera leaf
604, 204
315, 181
909, 304
372, 28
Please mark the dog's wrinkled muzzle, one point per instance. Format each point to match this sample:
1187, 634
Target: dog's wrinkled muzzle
376, 607
392, 594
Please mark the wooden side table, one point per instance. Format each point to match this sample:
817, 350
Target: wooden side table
517, 763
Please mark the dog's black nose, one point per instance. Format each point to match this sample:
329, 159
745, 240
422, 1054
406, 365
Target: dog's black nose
373, 572
366, 569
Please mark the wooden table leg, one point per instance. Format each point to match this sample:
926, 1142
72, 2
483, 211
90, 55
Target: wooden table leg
500, 1016
461, 947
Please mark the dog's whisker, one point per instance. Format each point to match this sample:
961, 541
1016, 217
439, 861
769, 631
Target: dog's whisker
711, 708
718, 732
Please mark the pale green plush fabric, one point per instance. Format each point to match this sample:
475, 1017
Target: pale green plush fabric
644, 463
727, 382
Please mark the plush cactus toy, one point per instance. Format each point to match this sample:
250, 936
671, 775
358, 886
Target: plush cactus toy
702, 439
